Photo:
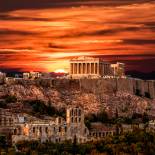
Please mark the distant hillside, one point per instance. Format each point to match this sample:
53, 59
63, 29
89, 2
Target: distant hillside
141, 75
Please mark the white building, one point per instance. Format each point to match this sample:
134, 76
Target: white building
31, 75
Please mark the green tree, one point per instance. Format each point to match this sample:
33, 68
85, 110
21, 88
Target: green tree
2, 141
10, 99
74, 147
145, 118
3, 104
103, 117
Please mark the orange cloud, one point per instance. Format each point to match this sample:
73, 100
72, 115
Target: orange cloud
45, 39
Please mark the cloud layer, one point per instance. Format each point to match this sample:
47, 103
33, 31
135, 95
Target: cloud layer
44, 35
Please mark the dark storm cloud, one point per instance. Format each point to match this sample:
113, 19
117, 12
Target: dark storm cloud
7, 5
10, 18
142, 63
6, 57
110, 31
56, 46
150, 25
138, 41
14, 32
6, 53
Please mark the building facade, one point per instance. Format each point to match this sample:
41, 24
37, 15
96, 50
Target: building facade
6, 118
118, 69
6, 123
31, 75
99, 131
75, 124
54, 129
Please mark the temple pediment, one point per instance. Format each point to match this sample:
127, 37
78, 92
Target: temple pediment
85, 58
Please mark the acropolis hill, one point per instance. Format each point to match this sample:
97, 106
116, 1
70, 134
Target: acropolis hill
92, 94
88, 85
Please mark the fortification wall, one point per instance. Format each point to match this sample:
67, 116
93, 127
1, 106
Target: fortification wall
133, 86
144, 88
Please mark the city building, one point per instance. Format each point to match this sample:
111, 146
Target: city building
31, 75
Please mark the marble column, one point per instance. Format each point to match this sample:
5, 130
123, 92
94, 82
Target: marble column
81, 68
94, 68
98, 68
73, 69
77, 68
85, 68
89, 68
85, 71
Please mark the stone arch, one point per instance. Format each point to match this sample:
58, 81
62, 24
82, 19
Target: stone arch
147, 95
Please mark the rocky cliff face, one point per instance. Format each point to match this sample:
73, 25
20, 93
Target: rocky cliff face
92, 96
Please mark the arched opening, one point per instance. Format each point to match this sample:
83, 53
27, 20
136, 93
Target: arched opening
46, 130
138, 92
147, 94
15, 131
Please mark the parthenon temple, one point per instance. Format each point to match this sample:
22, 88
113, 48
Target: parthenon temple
89, 66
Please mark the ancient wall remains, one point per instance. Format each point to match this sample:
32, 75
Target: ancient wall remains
101, 85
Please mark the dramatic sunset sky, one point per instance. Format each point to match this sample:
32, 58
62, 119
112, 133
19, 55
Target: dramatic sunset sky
42, 35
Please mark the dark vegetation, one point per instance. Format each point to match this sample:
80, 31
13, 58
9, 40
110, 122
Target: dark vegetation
39, 107
132, 143
6, 100
104, 118
3, 142
10, 99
